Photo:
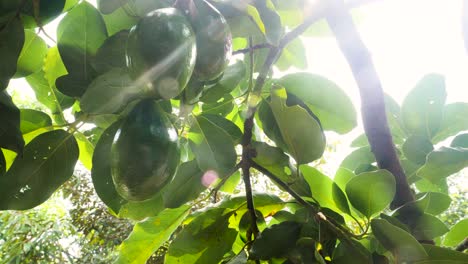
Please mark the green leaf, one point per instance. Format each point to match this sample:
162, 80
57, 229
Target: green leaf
443, 162
416, 149
328, 101
111, 54
340, 199
223, 107
275, 161
455, 119
47, 11
230, 184
86, 150
147, 236
231, 78
32, 55
213, 147
460, 141
122, 19
371, 192
425, 185
440, 255
456, 234
320, 185
403, 246
433, 203
428, 227
204, 240
276, 241
300, 131
47, 162
80, 33
186, 185
293, 55
11, 43
138, 211
342, 176
422, 109
228, 126
109, 6
33, 119
359, 157
271, 20
10, 133
110, 93
101, 170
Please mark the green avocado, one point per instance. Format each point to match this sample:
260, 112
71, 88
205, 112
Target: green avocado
145, 152
214, 41
161, 52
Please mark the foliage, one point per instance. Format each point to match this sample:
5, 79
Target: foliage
242, 119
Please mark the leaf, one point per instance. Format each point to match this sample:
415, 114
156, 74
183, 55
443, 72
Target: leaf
271, 20
276, 241
422, 108
277, 162
371, 192
33, 119
228, 126
213, 147
79, 35
11, 43
255, 16
340, 199
101, 170
433, 203
320, 186
223, 107
360, 156
147, 236
231, 78
455, 119
138, 211
416, 149
301, 133
10, 134
326, 100
109, 6
440, 255
204, 240
231, 184
110, 93
293, 55
2, 164
342, 176
121, 19
32, 55
428, 227
186, 185
404, 247
460, 141
86, 150
111, 54
47, 11
457, 234
424, 185
443, 162
48, 161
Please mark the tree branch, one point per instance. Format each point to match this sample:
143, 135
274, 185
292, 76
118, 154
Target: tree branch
372, 98
462, 246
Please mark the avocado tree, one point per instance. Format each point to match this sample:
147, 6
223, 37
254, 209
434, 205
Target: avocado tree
170, 103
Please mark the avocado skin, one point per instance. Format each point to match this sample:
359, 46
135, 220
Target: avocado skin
161, 52
145, 152
214, 41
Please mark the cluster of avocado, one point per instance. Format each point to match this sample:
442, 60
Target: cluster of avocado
165, 50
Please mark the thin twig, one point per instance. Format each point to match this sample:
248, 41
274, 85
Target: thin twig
252, 48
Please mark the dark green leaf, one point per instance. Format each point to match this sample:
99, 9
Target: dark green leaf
187, 185
33, 119
328, 101
455, 119
371, 192
428, 227
112, 53
47, 162
11, 43
422, 109
340, 199
48, 10
204, 240
440, 255
301, 133
101, 170
109, 6
457, 234
460, 141
229, 127
147, 236
416, 149
10, 133
231, 78
320, 186
2, 163
403, 246
32, 55
213, 147
443, 162
394, 221
276, 241
110, 93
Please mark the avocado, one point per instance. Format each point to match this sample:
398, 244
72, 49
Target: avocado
214, 40
161, 52
145, 152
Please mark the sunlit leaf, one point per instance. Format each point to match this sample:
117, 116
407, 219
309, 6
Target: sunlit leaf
32, 55
443, 162
33, 119
455, 119
457, 233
